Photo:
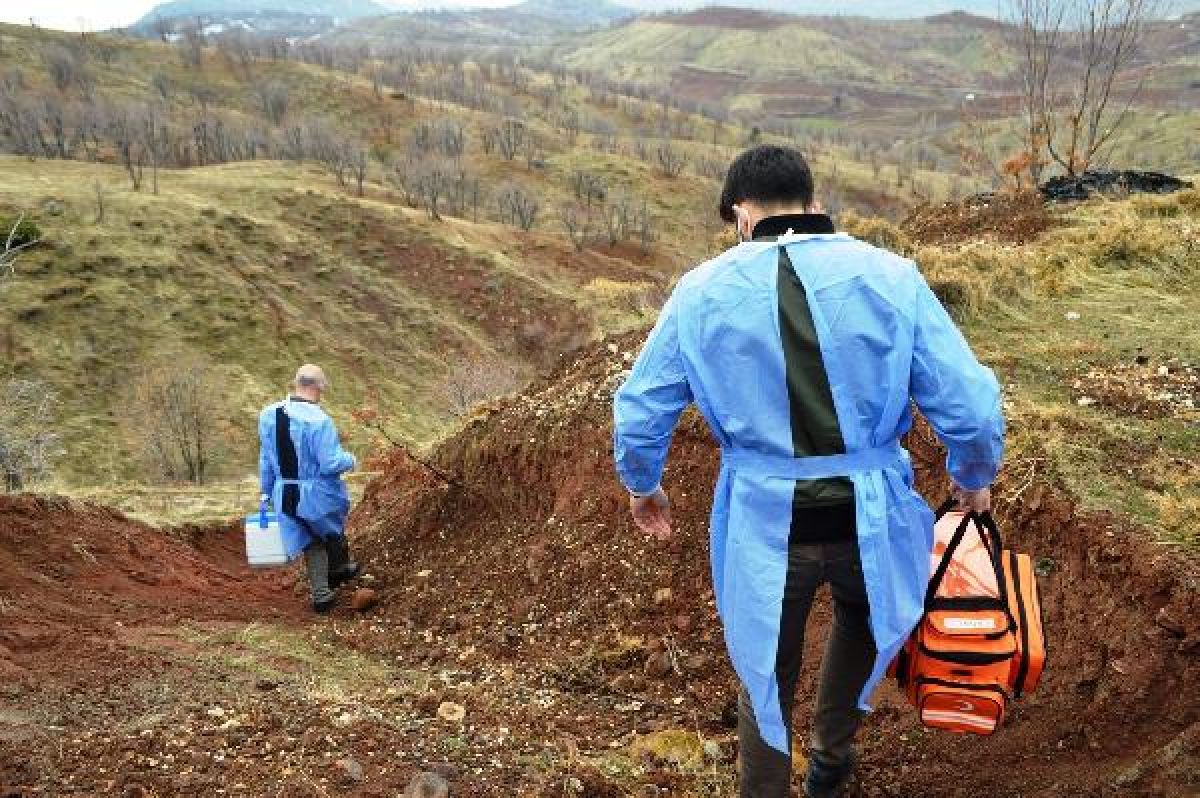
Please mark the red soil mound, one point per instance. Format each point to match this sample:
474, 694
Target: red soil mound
71, 575
1015, 218
533, 559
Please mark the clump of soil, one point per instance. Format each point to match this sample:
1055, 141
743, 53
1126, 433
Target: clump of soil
532, 558
1011, 218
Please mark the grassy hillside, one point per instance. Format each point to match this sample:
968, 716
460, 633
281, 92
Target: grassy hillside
257, 267
1090, 326
899, 88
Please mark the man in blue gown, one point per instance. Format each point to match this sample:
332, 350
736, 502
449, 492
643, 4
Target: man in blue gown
804, 348
301, 462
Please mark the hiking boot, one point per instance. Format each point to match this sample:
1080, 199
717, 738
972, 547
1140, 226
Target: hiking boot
826, 781
322, 607
344, 574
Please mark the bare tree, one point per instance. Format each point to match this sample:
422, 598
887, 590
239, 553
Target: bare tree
29, 442
510, 137
127, 135
518, 206
191, 45
474, 380
178, 420
620, 218
99, 192
589, 187
671, 160
580, 223
64, 67
1074, 55
273, 100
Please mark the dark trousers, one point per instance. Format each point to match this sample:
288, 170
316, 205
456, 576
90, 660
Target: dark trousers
849, 657
322, 557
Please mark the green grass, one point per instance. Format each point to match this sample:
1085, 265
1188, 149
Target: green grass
256, 268
1127, 270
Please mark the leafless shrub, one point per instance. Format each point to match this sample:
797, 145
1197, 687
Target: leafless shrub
29, 440
191, 45
162, 85
510, 138
65, 68
671, 160
178, 419
443, 136
518, 206
580, 223
476, 380
712, 168
273, 98
620, 218
589, 188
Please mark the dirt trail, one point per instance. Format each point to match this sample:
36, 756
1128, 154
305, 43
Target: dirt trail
536, 561
71, 570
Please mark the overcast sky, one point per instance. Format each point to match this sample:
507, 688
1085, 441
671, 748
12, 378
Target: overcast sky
99, 14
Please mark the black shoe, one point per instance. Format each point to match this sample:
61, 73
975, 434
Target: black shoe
322, 607
344, 574
826, 781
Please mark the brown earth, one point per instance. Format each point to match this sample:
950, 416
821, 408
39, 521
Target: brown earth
534, 560
1010, 217
528, 642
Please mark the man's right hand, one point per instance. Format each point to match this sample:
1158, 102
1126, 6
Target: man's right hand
652, 514
974, 501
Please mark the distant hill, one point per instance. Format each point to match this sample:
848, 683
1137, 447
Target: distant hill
335, 9
518, 25
882, 9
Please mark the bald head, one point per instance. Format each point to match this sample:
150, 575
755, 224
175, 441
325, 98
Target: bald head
310, 382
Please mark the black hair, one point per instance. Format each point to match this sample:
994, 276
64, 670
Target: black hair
769, 175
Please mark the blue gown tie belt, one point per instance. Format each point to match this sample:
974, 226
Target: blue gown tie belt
815, 467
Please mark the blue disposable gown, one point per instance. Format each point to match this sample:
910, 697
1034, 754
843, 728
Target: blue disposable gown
885, 340
324, 501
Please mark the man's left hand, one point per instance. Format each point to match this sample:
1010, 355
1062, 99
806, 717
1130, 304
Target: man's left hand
652, 514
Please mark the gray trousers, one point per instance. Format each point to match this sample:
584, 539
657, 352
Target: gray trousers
849, 657
321, 558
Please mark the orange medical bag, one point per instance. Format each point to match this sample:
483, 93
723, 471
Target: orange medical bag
980, 642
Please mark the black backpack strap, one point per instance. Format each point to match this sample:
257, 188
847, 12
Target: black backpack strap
289, 463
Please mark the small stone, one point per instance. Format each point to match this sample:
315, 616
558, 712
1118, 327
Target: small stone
427, 785
350, 770
452, 712
1085, 401
658, 665
663, 595
683, 623
713, 751
1072, 315
364, 599
1164, 371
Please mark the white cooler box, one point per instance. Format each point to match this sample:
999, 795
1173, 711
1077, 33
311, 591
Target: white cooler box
267, 543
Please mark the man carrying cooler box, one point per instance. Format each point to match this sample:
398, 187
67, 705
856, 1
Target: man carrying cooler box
300, 465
